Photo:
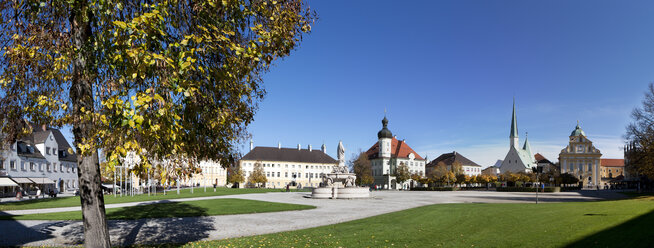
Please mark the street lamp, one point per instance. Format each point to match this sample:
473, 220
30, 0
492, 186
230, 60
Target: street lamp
129, 161
43, 183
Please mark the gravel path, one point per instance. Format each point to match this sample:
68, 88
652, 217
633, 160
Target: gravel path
179, 230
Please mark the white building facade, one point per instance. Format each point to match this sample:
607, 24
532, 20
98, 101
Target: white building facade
288, 166
517, 159
42, 160
389, 153
468, 167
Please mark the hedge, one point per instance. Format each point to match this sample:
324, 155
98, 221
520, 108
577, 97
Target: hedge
523, 189
435, 189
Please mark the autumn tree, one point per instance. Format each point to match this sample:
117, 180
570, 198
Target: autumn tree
362, 169
439, 172
640, 138
235, 174
402, 173
456, 168
462, 178
449, 178
473, 179
483, 179
258, 176
416, 176
180, 80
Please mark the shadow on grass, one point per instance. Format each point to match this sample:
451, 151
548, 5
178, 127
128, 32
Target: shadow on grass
637, 232
26, 201
524, 199
136, 225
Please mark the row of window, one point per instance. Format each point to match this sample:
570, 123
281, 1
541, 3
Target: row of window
571, 167
278, 174
388, 162
212, 170
279, 184
33, 166
320, 167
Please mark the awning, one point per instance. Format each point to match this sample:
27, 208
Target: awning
42, 180
21, 180
6, 182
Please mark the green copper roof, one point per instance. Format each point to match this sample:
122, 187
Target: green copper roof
527, 147
514, 123
577, 131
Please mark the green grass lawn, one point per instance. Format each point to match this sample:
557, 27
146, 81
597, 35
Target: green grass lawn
174, 209
623, 223
109, 199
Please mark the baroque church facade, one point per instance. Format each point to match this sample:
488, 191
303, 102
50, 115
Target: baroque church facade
517, 159
581, 159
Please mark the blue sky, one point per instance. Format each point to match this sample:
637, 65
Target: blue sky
447, 72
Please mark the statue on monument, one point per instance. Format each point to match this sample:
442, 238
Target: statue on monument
340, 153
341, 183
340, 150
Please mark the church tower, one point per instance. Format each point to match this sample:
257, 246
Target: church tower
518, 159
385, 136
514, 129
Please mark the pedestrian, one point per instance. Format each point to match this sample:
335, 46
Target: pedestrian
288, 188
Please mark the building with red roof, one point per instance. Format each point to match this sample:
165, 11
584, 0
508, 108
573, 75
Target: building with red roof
611, 168
389, 153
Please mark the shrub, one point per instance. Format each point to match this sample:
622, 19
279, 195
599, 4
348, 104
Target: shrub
435, 189
522, 189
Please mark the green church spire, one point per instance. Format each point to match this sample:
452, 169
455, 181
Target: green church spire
514, 123
527, 147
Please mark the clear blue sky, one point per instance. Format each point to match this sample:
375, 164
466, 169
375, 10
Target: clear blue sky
447, 72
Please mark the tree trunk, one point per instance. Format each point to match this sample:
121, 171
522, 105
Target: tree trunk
96, 233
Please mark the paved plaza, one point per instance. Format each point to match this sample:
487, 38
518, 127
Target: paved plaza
180, 230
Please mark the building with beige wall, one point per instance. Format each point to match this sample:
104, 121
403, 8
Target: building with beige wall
611, 169
581, 158
211, 173
283, 166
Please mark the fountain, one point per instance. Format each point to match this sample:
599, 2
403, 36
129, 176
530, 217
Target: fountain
340, 183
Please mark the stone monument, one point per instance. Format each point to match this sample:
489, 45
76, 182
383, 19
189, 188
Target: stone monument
340, 183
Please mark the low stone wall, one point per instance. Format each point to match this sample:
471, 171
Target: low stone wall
341, 193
